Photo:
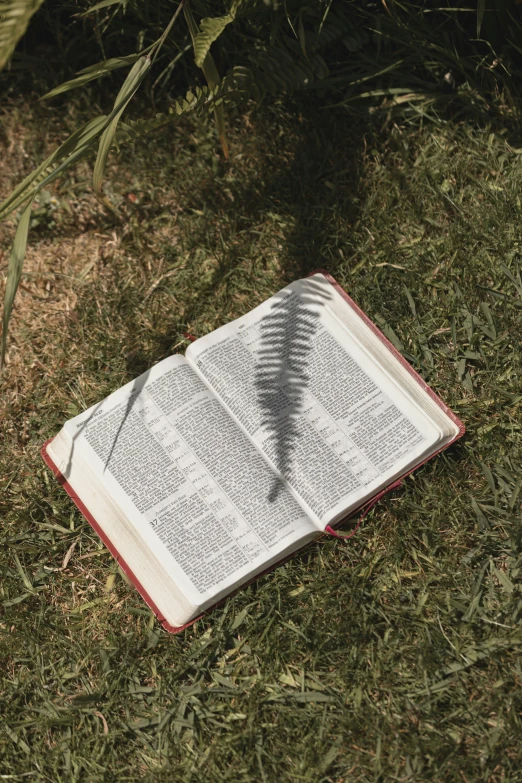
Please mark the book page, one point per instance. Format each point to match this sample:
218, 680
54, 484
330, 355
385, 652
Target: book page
189, 480
331, 421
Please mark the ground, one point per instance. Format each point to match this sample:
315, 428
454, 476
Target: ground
394, 656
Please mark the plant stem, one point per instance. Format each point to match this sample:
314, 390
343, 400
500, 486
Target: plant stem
168, 28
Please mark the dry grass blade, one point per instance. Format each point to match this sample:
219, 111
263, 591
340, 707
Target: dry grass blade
130, 85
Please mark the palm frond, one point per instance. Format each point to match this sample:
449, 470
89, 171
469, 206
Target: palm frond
210, 28
208, 66
15, 16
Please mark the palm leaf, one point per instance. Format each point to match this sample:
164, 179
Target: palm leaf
129, 87
14, 273
210, 28
76, 145
92, 72
15, 16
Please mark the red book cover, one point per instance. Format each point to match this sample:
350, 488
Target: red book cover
415, 375
368, 503
110, 546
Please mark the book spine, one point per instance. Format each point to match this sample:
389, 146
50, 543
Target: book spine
366, 511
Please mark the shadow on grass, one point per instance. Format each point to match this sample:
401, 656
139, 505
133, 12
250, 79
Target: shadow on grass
306, 180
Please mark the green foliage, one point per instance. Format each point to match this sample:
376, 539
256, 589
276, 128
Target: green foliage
209, 31
15, 16
208, 66
101, 5
130, 85
93, 72
72, 150
14, 273
410, 58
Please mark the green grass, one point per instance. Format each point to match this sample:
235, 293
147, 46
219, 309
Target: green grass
394, 657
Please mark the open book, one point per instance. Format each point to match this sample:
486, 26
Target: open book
212, 467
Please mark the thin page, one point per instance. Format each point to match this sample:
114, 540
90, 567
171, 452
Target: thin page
188, 479
330, 420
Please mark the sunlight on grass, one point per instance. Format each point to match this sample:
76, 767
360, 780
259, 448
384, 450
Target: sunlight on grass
394, 657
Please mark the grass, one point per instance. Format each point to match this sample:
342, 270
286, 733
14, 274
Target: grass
395, 657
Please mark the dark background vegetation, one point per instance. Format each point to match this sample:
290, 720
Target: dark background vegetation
395, 656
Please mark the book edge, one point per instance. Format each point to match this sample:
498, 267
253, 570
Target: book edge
415, 375
80, 505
